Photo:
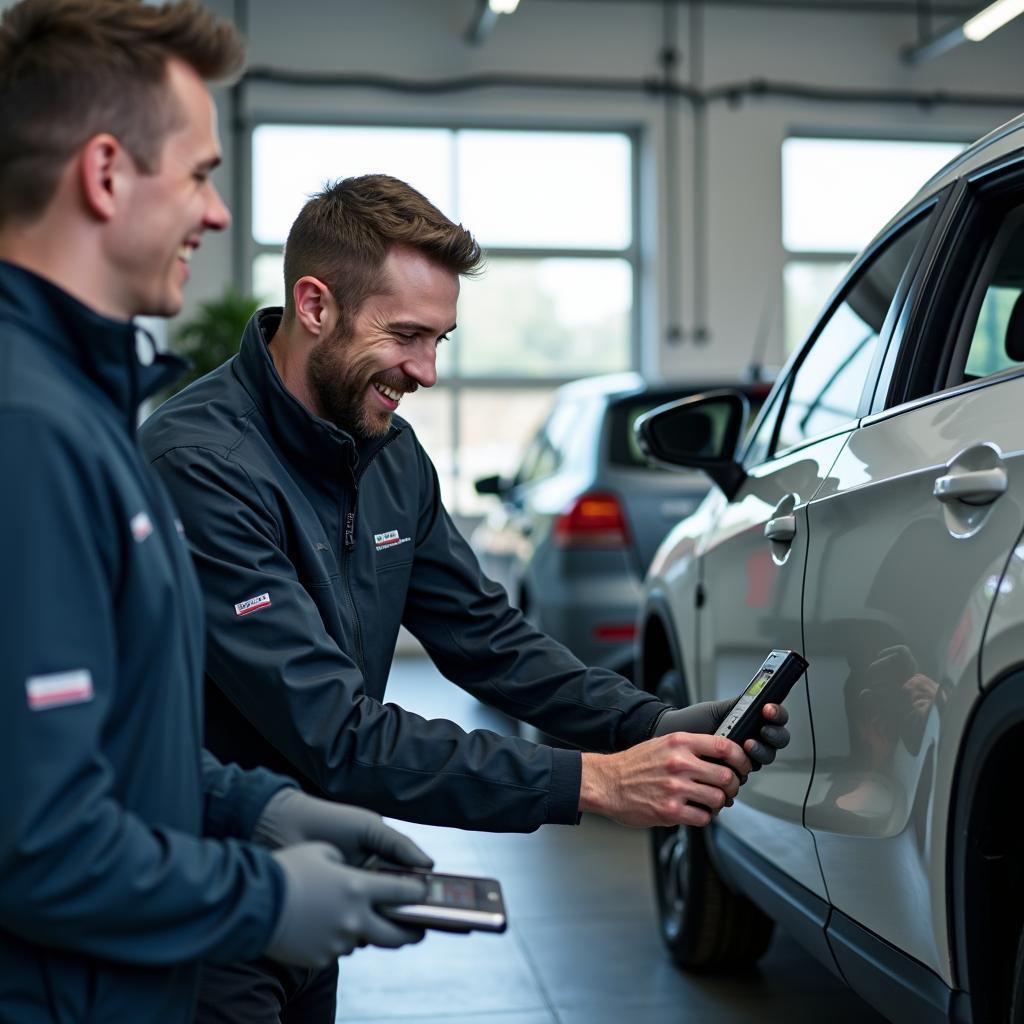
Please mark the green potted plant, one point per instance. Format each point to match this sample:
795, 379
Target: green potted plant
212, 335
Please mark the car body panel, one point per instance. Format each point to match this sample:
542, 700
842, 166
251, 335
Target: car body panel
754, 589
898, 593
908, 602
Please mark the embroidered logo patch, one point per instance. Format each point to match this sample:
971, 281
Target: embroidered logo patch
253, 604
141, 526
389, 540
58, 689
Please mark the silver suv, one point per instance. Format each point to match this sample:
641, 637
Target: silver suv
871, 520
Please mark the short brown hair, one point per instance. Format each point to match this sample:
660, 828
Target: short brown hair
343, 234
70, 69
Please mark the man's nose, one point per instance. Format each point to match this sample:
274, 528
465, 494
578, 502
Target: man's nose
422, 365
217, 216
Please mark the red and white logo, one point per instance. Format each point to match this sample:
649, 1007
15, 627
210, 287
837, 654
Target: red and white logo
390, 539
253, 604
58, 689
141, 526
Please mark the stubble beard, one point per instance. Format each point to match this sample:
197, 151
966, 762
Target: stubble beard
340, 384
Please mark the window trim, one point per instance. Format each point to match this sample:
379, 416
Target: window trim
965, 201
902, 223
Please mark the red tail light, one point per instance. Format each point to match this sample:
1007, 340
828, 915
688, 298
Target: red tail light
592, 521
614, 634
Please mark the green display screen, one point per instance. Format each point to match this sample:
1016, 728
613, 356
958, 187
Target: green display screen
758, 683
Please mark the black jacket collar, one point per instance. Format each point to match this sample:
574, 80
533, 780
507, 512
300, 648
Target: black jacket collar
100, 348
308, 439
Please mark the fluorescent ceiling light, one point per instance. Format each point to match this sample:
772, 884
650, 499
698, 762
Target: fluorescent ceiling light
993, 17
509, 6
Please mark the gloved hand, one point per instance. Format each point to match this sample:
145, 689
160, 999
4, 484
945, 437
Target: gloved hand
292, 816
330, 908
708, 716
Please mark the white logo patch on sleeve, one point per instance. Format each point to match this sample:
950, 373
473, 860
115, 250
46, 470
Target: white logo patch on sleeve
141, 526
58, 689
253, 604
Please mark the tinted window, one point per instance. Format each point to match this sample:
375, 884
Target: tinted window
826, 389
622, 446
554, 441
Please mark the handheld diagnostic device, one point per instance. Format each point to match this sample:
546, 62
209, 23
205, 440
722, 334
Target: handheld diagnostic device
454, 903
771, 685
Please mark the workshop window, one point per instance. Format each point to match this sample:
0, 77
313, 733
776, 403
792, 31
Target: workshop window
554, 213
837, 194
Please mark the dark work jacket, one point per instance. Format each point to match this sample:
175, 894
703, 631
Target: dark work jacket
311, 551
107, 889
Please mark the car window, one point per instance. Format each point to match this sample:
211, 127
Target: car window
623, 449
997, 333
540, 460
548, 449
825, 390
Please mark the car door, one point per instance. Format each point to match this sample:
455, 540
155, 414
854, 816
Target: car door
754, 560
909, 541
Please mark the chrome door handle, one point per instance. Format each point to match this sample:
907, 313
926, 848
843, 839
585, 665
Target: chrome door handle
781, 529
975, 487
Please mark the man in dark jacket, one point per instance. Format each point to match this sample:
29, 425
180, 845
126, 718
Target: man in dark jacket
317, 528
123, 846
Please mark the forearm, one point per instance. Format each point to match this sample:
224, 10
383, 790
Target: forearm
671, 780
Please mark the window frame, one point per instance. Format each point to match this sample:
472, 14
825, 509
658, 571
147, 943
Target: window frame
952, 272
776, 406
822, 257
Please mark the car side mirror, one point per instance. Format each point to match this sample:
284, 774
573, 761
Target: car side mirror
491, 485
702, 432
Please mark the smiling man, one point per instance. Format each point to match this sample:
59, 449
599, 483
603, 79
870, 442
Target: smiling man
125, 852
316, 525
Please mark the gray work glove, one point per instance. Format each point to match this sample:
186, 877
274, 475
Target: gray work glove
330, 908
292, 816
707, 717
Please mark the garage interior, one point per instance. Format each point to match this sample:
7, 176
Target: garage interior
712, 270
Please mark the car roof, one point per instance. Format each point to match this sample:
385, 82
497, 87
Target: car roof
1000, 142
615, 386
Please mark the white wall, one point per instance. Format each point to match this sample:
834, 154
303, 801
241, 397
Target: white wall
743, 258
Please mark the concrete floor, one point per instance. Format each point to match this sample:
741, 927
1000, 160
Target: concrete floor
582, 945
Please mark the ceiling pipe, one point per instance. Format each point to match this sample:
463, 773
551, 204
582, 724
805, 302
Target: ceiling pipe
988, 20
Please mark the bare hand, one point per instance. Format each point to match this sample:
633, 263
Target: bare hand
669, 780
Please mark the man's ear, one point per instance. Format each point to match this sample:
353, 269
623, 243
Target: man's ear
101, 166
315, 307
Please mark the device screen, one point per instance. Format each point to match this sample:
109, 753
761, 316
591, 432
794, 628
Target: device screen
758, 683
452, 892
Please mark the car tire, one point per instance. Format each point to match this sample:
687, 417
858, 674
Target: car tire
705, 926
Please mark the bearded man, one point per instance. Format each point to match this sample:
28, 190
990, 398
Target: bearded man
317, 530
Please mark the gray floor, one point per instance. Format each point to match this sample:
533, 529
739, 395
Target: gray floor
582, 945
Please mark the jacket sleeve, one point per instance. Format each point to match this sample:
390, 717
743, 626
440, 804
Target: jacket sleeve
234, 799
77, 870
478, 640
307, 697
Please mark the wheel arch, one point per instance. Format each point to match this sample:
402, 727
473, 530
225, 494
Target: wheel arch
658, 648
986, 847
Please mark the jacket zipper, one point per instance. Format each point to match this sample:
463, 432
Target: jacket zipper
349, 543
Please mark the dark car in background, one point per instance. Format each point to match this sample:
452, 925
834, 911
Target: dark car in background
575, 528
